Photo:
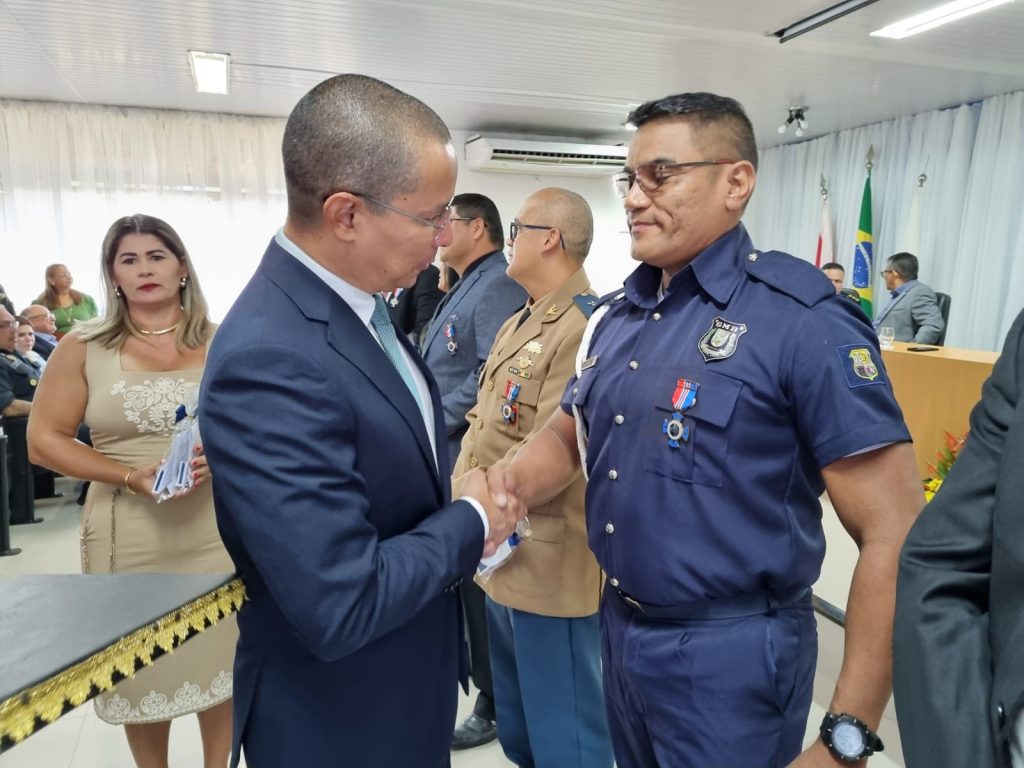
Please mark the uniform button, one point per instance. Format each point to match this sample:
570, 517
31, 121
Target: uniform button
612, 474
752, 256
609, 528
473, 463
490, 384
1001, 714
575, 391
657, 316
619, 418
634, 364
613, 582
480, 424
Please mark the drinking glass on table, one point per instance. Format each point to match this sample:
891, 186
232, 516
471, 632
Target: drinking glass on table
886, 336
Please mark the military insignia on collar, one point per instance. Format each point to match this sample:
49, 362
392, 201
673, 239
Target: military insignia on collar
553, 310
721, 339
533, 347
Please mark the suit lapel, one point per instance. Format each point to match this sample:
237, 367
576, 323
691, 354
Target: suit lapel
347, 336
890, 305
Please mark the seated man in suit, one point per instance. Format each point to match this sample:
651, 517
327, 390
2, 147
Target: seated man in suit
332, 477
913, 310
959, 633
42, 322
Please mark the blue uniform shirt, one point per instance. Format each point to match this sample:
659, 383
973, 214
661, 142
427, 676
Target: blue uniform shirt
710, 414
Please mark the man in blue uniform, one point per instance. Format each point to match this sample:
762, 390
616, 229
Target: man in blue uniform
717, 397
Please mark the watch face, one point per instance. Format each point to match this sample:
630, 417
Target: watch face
848, 739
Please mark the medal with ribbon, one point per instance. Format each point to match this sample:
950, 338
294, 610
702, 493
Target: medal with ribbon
510, 408
684, 398
449, 333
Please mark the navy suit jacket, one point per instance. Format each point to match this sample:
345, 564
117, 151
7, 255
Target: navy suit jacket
338, 520
476, 307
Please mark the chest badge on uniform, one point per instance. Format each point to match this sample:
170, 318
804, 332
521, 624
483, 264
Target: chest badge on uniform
533, 347
863, 365
449, 333
721, 339
510, 408
685, 397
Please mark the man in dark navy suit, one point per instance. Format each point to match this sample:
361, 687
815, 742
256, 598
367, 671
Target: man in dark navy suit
332, 475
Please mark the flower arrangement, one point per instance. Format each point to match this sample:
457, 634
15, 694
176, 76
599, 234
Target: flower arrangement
946, 456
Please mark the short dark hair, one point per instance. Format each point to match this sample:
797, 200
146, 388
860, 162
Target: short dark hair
904, 264
357, 134
833, 265
705, 111
476, 206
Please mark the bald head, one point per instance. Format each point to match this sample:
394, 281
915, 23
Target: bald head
566, 211
356, 134
40, 317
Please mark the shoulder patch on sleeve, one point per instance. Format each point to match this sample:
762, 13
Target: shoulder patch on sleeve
586, 303
858, 364
792, 276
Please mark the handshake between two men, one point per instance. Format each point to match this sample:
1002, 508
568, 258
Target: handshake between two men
496, 491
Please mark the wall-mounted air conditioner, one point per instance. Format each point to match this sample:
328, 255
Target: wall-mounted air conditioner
489, 153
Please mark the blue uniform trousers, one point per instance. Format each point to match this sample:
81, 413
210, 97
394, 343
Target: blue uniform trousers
713, 693
547, 689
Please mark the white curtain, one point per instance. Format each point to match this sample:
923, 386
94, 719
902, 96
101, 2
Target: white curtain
972, 230
68, 171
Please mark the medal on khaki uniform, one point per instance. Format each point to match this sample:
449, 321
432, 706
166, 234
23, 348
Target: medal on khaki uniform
510, 408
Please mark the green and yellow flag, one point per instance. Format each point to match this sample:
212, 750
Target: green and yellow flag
862, 251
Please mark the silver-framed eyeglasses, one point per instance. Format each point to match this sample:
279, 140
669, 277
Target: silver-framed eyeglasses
438, 223
650, 176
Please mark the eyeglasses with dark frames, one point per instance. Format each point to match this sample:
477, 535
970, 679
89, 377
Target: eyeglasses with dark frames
464, 218
514, 227
650, 176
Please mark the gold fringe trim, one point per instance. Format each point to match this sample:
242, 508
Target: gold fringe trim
75, 685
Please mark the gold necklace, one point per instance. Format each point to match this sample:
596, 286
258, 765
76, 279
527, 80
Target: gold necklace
161, 332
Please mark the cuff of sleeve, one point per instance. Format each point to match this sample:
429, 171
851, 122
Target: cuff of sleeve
480, 511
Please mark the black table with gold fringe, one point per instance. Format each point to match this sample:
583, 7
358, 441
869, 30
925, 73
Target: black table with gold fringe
65, 639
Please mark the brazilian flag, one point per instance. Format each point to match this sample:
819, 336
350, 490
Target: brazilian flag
862, 251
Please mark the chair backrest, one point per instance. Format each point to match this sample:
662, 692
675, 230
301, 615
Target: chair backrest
943, 300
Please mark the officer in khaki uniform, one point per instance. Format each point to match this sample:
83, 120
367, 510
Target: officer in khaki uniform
542, 603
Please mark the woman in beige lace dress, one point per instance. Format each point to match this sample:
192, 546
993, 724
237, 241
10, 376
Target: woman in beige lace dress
124, 374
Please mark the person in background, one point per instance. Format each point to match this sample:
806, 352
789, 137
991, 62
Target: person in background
18, 377
411, 309
125, 374
720, 393
5, 301
542, 604
835, 272
913, 309
24, 343
44, 326
455, 347
959, 634
68, 305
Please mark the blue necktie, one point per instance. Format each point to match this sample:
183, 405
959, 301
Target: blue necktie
381, 322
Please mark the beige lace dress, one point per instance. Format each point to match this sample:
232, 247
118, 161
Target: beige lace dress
131, 415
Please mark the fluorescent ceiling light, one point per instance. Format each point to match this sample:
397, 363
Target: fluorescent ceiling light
816, 20
210, 71
935, 17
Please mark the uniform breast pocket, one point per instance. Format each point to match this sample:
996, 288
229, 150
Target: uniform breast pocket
695, 447
525, 404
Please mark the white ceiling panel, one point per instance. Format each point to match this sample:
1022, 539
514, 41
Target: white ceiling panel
571, 67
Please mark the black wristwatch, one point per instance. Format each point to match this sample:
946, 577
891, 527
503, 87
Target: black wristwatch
848, 738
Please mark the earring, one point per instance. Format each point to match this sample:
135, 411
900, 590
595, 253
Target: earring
117, 291
184, 282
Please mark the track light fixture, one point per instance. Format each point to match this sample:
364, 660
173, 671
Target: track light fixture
796, 116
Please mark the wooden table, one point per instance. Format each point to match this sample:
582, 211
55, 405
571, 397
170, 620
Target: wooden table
937, 391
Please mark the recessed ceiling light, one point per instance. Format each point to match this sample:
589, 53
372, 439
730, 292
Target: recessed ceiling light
210, 71
935, 17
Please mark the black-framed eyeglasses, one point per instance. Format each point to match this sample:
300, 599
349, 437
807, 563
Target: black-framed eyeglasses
514, 227
464, 218
650, 176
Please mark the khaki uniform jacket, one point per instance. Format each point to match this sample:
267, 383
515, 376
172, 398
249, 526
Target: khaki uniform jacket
553, 573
